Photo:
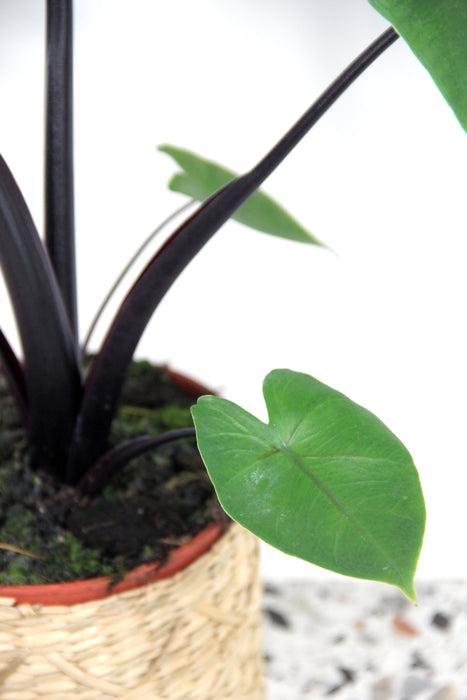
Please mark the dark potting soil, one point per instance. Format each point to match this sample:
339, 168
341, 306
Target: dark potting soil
155, 503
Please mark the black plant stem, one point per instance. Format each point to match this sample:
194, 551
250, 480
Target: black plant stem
270, 162
59, 187
107, 466
109, 368
51, 365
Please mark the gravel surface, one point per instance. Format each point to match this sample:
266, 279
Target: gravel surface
357, 640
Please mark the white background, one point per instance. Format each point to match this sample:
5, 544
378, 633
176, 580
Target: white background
382, 180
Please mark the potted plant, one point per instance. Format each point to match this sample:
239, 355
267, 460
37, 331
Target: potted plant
324, 480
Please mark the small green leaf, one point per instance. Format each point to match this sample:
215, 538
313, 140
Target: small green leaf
202, 177
325, 480
436, 31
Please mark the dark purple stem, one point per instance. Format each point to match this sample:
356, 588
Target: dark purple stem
111, 463
59, 194
109, 368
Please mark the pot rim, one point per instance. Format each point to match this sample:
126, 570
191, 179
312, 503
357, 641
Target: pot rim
83, 591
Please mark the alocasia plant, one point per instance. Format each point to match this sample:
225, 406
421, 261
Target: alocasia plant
324, 480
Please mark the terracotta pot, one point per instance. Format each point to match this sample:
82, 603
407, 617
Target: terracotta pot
189, 629
98, 588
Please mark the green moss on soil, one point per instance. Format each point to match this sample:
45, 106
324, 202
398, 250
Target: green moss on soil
155, 503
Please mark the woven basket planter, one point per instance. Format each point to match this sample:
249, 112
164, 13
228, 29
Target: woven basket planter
193, 635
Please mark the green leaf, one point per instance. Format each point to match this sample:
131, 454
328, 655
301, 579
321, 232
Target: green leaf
436, 31
202, 177
325, 480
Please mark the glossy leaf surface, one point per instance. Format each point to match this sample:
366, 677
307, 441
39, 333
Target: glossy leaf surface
201, 177
325, 480
436, 31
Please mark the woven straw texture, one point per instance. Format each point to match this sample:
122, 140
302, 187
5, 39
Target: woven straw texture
194, 636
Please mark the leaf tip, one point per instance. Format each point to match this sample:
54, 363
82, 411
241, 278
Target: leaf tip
167, 149
408, 589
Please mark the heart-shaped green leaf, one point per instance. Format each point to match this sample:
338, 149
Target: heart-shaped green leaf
325, 480
436, 31
202, 177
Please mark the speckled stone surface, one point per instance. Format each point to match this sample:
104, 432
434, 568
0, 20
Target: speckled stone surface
345, 639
